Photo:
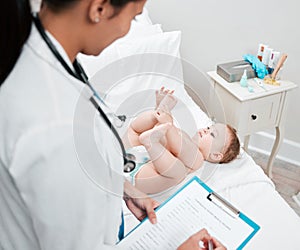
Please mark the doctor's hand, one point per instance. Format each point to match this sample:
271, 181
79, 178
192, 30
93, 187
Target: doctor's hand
193, 242
139, 203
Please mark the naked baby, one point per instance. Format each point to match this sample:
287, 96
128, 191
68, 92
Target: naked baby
173, 153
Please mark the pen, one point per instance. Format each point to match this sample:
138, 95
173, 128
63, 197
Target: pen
210, 245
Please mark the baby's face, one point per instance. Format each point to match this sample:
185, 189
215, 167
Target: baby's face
212, 139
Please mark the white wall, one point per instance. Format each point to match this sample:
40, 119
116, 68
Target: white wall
216, 31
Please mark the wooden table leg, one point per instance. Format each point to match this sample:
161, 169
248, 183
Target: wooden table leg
276, 146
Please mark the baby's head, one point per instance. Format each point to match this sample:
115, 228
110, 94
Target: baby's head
218, 143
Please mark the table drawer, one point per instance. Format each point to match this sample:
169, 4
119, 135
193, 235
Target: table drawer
262, 113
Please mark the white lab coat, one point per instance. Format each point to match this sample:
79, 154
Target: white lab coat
58, 189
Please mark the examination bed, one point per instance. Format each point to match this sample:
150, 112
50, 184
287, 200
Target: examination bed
242, 182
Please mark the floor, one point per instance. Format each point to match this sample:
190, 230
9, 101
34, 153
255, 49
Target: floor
286, 177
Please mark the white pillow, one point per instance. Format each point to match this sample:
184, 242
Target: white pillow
141, 27
164, 43
129, 71
141, 30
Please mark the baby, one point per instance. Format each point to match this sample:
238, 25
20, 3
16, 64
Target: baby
172, 152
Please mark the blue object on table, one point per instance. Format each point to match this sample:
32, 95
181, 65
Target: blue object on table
257, 65
244, 79
250, 89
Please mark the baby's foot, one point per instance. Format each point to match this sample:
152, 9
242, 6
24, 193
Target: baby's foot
168, 103
154, 135
160, 95
163, 116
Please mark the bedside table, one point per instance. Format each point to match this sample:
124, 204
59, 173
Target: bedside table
250, 112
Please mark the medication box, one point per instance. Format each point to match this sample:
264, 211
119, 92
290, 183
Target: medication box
233, 71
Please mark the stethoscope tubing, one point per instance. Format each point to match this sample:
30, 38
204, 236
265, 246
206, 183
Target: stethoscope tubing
80, 74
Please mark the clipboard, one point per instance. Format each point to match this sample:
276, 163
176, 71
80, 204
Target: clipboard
193, 207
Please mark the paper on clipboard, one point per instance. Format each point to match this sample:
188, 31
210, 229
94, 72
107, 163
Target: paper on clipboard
190, 209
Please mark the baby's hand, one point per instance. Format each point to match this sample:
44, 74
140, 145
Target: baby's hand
165, 99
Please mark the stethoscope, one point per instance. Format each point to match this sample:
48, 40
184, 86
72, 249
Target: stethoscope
129, 159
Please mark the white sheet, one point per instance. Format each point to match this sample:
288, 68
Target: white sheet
245, 185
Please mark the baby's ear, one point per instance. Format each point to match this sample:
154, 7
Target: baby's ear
216, 156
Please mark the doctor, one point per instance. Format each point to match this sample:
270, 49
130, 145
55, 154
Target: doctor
59, 190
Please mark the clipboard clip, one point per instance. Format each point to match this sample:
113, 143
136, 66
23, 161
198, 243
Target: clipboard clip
223, 204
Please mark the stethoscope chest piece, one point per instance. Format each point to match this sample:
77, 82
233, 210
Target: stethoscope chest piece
129, 165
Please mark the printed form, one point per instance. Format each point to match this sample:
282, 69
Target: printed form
186, 213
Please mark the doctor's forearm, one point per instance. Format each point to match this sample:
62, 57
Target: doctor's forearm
139, 203
131, 192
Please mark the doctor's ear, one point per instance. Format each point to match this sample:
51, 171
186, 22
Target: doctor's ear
99, 10
216, 156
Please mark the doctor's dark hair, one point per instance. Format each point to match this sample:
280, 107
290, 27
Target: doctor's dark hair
58, 5
15, 26
62, 4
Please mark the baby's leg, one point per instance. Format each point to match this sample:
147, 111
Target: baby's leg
182, 146
165, 164
150, 181
143, 122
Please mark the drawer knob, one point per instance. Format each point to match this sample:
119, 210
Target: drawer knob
253, 117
